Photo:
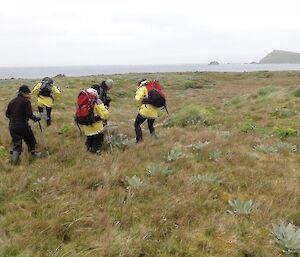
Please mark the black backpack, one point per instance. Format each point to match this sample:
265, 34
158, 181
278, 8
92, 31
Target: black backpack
155, 95
46, 88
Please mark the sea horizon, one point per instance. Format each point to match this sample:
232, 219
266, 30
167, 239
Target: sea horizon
36, 72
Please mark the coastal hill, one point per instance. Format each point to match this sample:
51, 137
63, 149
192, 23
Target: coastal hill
279, 56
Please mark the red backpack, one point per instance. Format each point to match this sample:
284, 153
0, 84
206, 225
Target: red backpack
155, 95
85, 108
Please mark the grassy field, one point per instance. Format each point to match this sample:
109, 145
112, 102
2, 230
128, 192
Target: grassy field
229, 136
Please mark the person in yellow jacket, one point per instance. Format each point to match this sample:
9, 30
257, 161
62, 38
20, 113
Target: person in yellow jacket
146, 112
46, 93
94, 132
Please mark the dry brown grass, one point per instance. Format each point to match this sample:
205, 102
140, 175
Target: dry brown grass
72, 203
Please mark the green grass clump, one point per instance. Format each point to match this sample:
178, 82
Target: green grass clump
266, 91
282, 113
284, 132
3, 152
64, 129
191, 115
296, 92
248, 126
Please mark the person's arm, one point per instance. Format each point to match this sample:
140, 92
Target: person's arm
139, 95
102, 111
36, 90
7, 113
28, 112
55, 92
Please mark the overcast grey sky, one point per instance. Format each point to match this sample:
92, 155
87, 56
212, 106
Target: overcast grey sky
96, 32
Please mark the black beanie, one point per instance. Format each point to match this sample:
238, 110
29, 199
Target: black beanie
24, 89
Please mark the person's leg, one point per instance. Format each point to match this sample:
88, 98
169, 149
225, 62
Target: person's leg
16, 145
16, 139
151, 126
101, 139
48, 110
88, 143
97, 143
41, 109
29, 139
137, 126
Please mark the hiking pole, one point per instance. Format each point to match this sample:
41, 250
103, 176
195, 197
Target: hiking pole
43, 140
109, 138
40, 126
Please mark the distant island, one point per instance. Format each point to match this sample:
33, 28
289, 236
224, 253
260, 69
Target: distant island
214, 63
280, 56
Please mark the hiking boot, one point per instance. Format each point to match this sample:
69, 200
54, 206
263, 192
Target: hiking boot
15, 158
36, 154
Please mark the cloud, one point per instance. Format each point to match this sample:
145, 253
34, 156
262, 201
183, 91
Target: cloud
136, 32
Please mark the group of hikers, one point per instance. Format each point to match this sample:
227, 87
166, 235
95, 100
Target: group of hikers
92, 112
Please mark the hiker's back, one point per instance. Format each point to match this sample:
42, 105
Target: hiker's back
155, 95
46, 88
85, 108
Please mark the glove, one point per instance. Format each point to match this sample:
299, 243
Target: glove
97, 118
37, 119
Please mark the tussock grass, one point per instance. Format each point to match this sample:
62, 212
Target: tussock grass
175, 197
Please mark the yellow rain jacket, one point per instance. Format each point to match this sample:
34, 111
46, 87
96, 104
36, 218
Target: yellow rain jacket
147, 111
45, 100
97, 127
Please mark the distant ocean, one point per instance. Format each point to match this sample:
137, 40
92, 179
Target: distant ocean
75, 71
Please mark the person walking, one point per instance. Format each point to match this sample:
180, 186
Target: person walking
19, 111
146, 111
46, 93
94, 131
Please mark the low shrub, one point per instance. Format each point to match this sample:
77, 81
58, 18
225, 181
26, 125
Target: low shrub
191, 115
153, 169
199, 145
241, 208
133, 182
120, 141
282, 113
248, 126
284, 132
287, 238
64, 129
266, 90
296, 92
208, 179
174, 155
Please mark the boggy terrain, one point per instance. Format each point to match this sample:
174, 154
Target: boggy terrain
220, 178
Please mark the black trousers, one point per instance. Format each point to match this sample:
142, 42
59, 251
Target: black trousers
48, 112
94, 143
19, 133
137, 126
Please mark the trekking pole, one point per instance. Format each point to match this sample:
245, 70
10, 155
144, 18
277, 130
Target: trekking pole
43, 140
80, 131
109, 138
40, 126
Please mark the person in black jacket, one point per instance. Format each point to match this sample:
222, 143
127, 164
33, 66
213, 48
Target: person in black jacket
19, 111
102, 90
